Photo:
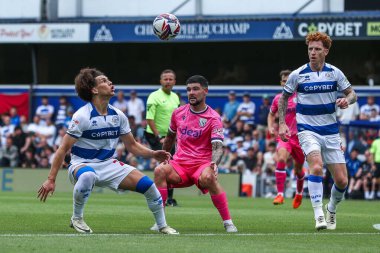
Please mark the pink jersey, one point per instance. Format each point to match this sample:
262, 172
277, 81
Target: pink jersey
195, 133
290, 117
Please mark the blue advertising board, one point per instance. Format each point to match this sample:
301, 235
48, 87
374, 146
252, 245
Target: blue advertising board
196, 31
239, 30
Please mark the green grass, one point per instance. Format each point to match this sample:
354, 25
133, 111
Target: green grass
121, 224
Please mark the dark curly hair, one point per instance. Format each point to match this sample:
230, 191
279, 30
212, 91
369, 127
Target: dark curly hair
85, 81
319, 36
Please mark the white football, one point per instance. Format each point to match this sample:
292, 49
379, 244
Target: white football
166, 26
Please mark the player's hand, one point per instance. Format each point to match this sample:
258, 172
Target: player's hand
214, 167
161, 155
284, 132
46, 189
342, 103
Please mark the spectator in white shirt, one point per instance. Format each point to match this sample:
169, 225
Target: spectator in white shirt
45, 111
121, 102
136, 107
365, 110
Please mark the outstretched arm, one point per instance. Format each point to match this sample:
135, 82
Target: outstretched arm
138, 149
49, 185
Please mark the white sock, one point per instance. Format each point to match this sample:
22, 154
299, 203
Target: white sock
228, 222
82, 191
366, 195
154, 200
336, 197
378, 194
316, 193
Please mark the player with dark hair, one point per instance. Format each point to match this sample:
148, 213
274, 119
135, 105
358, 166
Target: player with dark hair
285, 149
198, 130
92, 136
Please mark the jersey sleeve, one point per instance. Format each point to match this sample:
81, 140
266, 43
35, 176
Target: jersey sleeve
217, 130
77, 126
151, 107
124, 124
173, 122
274, 106
291, 85
342, 80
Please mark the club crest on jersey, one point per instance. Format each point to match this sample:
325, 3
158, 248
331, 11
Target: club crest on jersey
328, 75
73, 123
183, 117
202, 122
94, 123
115, 120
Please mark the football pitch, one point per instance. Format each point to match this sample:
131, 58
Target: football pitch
121, 224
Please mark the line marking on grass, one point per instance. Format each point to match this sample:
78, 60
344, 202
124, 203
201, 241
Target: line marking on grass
194, 235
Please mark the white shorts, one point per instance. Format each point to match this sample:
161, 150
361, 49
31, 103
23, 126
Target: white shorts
330, 146
109, 173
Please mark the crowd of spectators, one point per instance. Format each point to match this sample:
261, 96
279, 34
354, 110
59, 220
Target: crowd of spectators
248, 145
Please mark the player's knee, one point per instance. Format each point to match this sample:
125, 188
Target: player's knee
209, 179
317, 169
87, 178
159, 172
341, 182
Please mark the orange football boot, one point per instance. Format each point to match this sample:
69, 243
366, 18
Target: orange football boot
278, 200
297, 201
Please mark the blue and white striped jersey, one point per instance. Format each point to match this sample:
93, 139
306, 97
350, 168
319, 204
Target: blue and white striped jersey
316, 97
97, 135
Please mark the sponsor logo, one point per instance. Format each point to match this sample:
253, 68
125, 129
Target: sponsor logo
202, 122
283, 32
190, 132
373, 29
319, 87
337, 29
103, 34
105, 134
43, 32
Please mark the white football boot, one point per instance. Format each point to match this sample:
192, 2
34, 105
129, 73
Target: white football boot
330, 219
168, 231
320, 223
230, 227
79, 225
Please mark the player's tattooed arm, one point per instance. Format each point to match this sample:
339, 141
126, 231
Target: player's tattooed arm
282, 106
169, 141
350, 95
217, 152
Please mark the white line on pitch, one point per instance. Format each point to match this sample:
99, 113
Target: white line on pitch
193, 235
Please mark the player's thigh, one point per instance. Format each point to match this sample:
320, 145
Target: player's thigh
131, 180
309, 142
332, 150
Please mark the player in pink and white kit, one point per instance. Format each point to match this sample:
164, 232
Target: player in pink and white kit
199, 133
284, 149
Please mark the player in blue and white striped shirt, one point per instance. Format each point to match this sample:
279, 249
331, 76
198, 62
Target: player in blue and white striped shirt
92, 136
317, 84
